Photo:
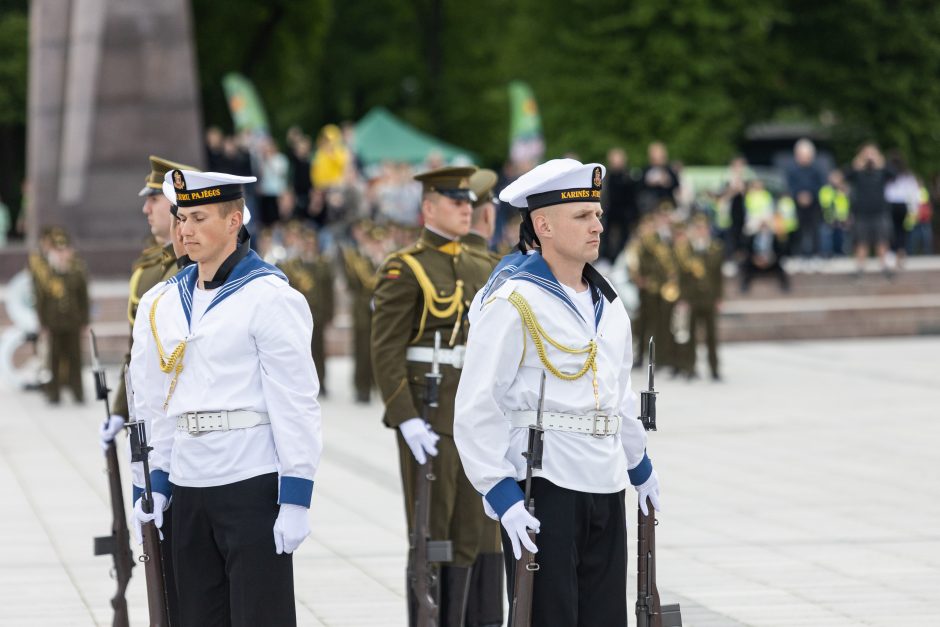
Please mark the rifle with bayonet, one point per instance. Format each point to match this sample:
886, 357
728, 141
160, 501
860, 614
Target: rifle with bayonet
649, 611
426, 555
118, 544
523, 583
151, 557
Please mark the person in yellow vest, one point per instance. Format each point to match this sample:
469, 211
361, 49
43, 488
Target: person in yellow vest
920, 229
423, 290
758, 205
834, 201
330, 160
785, 223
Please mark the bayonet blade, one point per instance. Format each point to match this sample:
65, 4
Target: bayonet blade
129, 389
95, 363
435, 360
538, 413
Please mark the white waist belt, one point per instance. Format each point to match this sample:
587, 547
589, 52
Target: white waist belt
425, 354
196, 422
596, 424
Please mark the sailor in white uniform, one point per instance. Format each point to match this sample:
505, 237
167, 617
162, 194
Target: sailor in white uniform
222, 370
555, 314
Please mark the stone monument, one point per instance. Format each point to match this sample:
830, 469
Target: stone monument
110, 82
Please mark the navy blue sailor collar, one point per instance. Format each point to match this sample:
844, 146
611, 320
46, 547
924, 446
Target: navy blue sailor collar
535, 270
247, 269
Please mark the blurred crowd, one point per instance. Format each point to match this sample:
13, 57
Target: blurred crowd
874, 205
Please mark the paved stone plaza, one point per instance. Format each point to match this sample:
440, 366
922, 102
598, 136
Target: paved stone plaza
802, 491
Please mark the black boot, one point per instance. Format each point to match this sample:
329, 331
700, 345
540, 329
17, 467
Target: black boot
455, 589
485, 605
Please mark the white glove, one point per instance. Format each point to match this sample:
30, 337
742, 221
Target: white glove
515, 521
649, 488
290, 528
489, 511
420, 438
108, 430
141, 517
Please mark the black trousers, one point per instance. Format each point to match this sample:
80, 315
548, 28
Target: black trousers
227, 572
169, 576
582, 576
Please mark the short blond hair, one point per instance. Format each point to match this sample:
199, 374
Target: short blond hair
227, 207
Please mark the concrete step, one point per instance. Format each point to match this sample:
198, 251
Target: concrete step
834, 317
840, 279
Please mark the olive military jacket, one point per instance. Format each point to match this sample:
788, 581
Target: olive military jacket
155, 265
61, 297
701, 281
422, 289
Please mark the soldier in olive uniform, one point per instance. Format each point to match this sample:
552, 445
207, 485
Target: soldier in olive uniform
485, 606
359, 268
62, 306
424, 289
702, 286
658, 280
156, 263
483, 223
311, 274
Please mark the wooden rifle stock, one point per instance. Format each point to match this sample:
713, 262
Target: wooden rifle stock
118, 544
152, 558
153, 570
520, 614
649, 611
425, 554
523, 583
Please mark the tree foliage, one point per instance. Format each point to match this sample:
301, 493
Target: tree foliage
14, 53
693, 73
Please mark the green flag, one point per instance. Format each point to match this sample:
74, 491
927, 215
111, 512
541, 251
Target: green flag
525, 124
244, 104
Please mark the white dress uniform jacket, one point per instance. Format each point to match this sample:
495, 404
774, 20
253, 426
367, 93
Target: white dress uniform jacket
248, 350
502, 373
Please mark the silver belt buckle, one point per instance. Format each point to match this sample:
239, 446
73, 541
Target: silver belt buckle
458, 355
192, 422
595, 432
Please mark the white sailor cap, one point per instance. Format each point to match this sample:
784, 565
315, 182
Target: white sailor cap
187, 188
555, 182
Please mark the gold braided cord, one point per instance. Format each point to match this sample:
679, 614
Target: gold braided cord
537, 333
134, 300
175, 361
359, 266
453, 304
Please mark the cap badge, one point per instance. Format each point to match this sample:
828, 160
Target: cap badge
597, 178
178, 181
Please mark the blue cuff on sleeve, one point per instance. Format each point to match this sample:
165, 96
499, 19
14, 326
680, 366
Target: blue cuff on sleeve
642, 472
160, 482
296, 491
135, 493
504, 495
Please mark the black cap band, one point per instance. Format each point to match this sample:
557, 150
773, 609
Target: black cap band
208, 195
560, 196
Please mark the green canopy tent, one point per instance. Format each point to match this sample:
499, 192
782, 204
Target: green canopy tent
380, 136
